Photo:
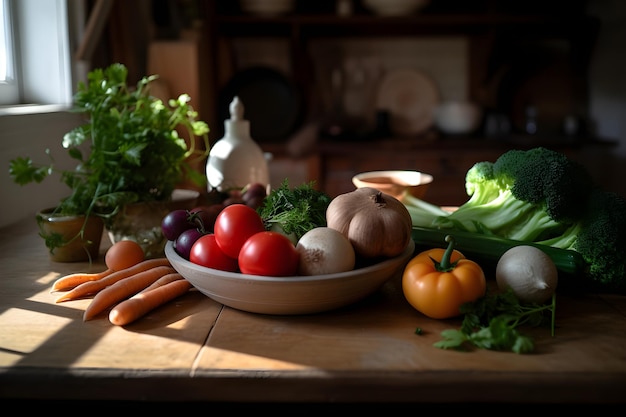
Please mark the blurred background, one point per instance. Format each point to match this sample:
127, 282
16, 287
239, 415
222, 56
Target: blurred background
337, 87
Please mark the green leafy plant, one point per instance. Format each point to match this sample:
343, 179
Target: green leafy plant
135, 150
492, 322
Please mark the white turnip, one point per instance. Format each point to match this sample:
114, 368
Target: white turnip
529, 272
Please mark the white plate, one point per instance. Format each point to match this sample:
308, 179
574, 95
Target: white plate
288, 295
411, 98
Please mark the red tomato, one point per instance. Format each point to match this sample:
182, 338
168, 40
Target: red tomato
234, 225
206, 252
270, 254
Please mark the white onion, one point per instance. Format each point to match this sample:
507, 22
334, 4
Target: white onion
325, 251
529, 272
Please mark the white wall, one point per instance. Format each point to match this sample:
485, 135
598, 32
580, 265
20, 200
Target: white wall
30, 135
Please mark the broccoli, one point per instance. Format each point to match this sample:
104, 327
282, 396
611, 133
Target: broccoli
548, 179
600, 237
542, 196
523, 195
422, 212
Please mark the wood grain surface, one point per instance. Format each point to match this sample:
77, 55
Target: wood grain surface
195, 349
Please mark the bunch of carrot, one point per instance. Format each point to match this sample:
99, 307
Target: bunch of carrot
131, 289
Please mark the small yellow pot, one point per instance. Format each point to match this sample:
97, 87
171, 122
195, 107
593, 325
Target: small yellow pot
78, 249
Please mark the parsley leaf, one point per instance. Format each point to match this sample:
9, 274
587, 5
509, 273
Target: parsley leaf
492, 322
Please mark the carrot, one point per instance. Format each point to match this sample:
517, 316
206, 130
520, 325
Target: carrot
165, 279
122, 289
92, 287
137, 306
70, 281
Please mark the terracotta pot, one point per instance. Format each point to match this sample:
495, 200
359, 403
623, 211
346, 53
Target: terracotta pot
141, 222
77, 249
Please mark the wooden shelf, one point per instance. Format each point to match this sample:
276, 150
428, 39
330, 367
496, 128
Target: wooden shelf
499, 35
369, 25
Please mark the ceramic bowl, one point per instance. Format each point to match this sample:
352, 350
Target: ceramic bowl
395, 182
458, 117
288, 295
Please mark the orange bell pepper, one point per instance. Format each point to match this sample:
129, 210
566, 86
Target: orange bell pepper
437, 282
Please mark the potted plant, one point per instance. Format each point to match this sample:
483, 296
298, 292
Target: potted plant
131, 149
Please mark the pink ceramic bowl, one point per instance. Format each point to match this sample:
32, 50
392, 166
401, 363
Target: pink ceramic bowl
395, 182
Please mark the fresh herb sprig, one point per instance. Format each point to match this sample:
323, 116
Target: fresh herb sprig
128, 150
296, 210
492, 322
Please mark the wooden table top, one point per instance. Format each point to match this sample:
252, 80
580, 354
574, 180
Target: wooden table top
195, 349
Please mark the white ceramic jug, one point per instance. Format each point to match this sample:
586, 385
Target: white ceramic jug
236, 160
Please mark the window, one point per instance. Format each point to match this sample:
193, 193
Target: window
8, 83
36, 52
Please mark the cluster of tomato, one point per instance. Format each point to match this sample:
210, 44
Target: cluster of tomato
230, 236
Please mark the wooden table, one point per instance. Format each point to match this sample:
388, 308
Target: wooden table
194, 350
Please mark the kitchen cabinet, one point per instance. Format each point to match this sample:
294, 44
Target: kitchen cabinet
517, 53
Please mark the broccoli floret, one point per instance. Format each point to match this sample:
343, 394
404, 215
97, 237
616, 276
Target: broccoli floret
480, 185
547, 178
600, 237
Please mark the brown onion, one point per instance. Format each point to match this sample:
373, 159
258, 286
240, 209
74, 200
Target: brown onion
376, 223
